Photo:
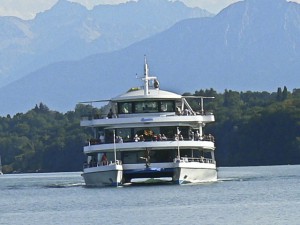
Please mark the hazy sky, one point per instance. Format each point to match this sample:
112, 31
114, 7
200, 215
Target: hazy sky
27, 9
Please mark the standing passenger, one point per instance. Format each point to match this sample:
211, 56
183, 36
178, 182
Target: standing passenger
104, 159
110, 114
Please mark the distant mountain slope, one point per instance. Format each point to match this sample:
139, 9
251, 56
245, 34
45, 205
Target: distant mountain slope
68, 31
251, 45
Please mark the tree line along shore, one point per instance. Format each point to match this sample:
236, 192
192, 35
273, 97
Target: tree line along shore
251, 129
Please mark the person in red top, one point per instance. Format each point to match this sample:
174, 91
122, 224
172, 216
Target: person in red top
104, 159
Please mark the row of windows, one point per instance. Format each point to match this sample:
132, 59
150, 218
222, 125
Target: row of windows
146, 107
149, 134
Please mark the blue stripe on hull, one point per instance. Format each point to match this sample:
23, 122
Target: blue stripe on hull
148, 173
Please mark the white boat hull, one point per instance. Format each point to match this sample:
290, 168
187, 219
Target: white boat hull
183, 172
194, 172
110, 175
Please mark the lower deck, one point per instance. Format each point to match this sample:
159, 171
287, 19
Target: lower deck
180, 170
148, 156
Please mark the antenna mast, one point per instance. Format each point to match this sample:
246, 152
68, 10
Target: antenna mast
147, 78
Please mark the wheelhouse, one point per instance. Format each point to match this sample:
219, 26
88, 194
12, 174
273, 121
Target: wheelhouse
149, 106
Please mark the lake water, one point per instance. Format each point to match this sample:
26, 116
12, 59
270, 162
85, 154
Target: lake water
243, 195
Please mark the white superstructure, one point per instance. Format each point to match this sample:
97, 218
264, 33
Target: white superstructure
149, 133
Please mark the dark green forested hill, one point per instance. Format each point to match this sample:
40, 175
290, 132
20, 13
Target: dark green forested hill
251, 128
42, 140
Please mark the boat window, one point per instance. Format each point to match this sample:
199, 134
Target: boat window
146, 107
145, 134
124, 107
109, 136
167, 106
169, 132
130, 157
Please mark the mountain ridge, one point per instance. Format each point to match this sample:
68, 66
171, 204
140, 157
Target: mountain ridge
233, 50
69, 31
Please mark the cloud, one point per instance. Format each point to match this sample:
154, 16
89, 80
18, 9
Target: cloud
24, 9
91, 3
213, 6
27, 9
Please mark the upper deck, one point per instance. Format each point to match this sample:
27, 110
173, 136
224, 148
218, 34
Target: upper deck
152, 119
150, 106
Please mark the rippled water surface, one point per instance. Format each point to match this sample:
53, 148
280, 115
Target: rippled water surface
243, 195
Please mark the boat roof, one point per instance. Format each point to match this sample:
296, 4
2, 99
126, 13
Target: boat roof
152, 94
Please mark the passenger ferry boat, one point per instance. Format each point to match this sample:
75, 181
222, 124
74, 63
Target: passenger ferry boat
149, 133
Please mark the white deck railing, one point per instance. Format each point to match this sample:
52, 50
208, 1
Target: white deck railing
193, 159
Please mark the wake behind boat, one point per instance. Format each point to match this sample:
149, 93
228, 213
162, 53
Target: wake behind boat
149, 133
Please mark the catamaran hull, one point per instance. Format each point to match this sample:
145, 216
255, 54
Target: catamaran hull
188, 174
181, 173
99, 178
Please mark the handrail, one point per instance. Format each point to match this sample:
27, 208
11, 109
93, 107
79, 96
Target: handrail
88, 117
193, 159
100, 164
94, 141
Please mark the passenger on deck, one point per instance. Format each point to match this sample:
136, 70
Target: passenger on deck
141, 137
102, 138
197, 136
176, 138
164, 138
202, 159
156, 84
187, 112
192, 135
104, 159
180, 137
178, 111
158, 137
110, 114
136, 138
92, 162
119, 139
